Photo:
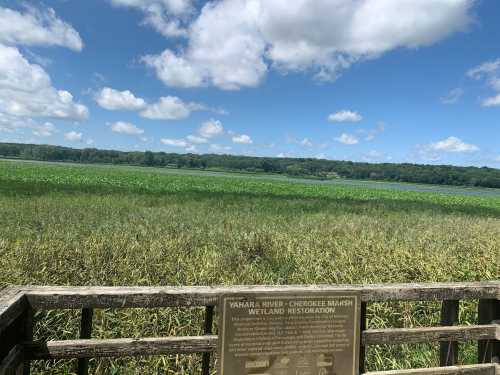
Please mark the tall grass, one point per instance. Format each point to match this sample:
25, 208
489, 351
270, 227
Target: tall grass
63, 225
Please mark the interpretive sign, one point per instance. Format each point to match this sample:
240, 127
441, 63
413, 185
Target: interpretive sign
284, 333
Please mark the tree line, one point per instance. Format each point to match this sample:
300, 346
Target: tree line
297, 167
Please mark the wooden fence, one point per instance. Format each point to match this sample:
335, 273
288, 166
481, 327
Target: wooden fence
17, 305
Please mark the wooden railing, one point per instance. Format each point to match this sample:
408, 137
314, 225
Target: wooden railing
17, 305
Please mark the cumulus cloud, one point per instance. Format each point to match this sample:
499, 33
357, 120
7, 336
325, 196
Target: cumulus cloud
37, 27
453, 96
493, 101
453, 144
46, 129
125, 128
166, 108
170, 108
484, 69
490, 72
175, 71
174, 142
305, 142
242, 139
371, 134
197, 140
347, 139
168, 17
211, 128
113, 100
73, 136
12, 124
26, 90
233, 43
345, 116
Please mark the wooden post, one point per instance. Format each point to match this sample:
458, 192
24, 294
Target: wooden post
362, 348
209, 318
12, 364
85, 333
488, 350
448, 351
27, 334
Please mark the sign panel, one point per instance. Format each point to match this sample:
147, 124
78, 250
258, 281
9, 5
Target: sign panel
283, 333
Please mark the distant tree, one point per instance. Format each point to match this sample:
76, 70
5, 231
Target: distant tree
306, 167
149, 158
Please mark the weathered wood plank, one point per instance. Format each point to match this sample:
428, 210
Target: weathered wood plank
12, 363
93, 348
12, 304
207, 330
116, 297
88, 348
362, 328
488, 350
484, 369
448, 351
85, 333
429, 334
27, 321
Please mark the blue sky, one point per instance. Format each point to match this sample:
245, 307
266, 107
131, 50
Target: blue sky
381, 80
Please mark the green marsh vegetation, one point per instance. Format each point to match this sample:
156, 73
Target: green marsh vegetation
88, 225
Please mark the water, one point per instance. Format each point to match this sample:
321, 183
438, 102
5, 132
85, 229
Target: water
364, 184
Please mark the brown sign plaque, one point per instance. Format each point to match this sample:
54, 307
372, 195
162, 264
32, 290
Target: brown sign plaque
285, 333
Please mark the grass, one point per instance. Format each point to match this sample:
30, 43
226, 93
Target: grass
73, 225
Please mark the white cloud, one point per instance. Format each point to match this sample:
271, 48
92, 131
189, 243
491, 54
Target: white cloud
484, 69
195, 139
37, 27
174, 142
166, 108
26, 90
453, 96
125, 128
165, 16
170, 108
40, 60
45, 130
12, 124
233, 43
345, 116
305, 142
73, 136
242, 139
370, 134
347, 139
113, 100
211, 128
191, 148
490, 71
174, 71
453, 144
494, 101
